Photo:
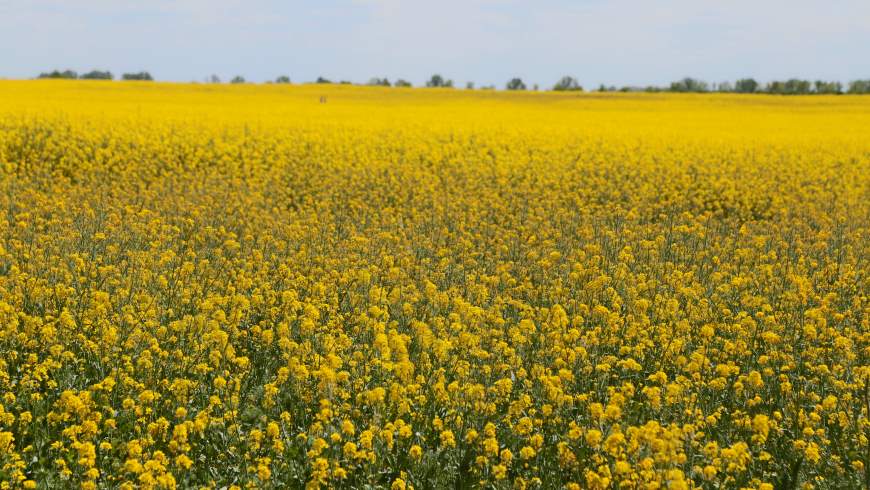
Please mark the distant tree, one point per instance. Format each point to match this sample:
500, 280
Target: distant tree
775, 87
515, 84
746, 86
238, 79
380, 82
435, 81
66, 74
798, 87
402, 83
282, 79
469, 85
322, 80
214, 79
97, 75
859, 87
343, 82
566, 84
141, 76
724, 87
823, 87
689, 84
535, 87
439, 81
792, 86
487, 87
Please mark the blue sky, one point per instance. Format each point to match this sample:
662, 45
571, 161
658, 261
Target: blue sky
617, 42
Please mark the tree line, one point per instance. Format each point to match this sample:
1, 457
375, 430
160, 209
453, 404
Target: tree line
567, 83
95, 75
793, 86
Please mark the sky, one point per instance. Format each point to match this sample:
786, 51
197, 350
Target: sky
614, 42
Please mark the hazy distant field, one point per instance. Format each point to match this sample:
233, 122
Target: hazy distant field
272, 285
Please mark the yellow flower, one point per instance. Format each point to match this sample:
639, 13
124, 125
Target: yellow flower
622, 467
593, 437
471, 436
710, 472
398, 484
447, 439
761, 425
812, 453
506, 456
183, 461
263, 471
416, 452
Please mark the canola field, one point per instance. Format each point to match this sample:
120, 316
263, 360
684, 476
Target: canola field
345, 287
